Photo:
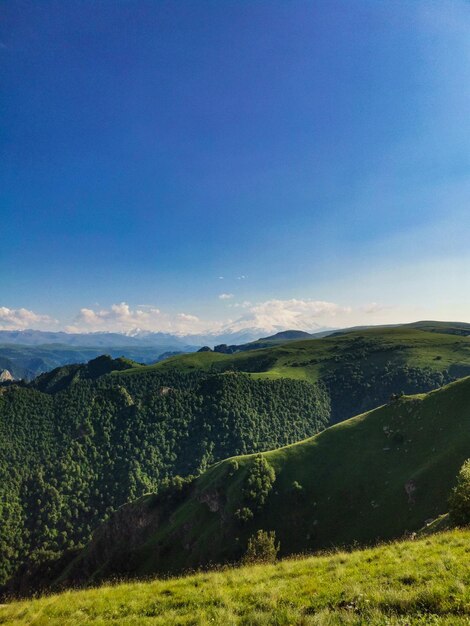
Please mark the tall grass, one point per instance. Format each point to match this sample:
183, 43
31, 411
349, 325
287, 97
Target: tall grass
425, 581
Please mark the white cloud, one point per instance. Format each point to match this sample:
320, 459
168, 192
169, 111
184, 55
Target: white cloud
274, 315
20, 319
268, 316
121, 318
372, 308
265, 317
187, 317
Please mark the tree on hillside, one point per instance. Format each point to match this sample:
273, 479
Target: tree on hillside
262, 548
259, 481
459, 500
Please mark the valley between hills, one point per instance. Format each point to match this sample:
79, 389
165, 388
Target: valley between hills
316, 472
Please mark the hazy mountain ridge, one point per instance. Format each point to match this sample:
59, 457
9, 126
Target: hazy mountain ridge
139, 338
27, 353
89, 340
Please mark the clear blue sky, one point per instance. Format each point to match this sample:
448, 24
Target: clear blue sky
308, 152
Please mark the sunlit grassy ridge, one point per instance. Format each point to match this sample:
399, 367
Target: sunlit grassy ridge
373, 477
360, 369
425, 581
419, 345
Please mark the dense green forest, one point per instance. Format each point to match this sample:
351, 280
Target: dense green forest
357, 386
80, 441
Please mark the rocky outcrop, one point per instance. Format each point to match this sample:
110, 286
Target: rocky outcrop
5, 376
212, 499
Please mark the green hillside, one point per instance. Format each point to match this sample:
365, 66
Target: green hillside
373, 477
79, 442
438, 345
360, 368
409, 583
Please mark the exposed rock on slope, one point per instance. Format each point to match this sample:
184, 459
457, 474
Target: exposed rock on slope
5, 376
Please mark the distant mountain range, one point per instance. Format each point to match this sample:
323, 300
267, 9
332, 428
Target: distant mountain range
140, 338
88, 340
27, 353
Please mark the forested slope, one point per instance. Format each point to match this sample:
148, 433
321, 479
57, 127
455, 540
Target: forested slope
79, 442
373, 477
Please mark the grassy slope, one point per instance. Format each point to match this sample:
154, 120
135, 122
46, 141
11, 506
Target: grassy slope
425, 581
435, 347
354, 479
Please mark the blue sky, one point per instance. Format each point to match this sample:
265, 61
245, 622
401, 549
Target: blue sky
316, 155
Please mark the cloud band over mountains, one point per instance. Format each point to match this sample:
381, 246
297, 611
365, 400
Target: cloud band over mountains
268, 317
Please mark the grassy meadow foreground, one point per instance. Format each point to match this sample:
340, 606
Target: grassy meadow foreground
422, 581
